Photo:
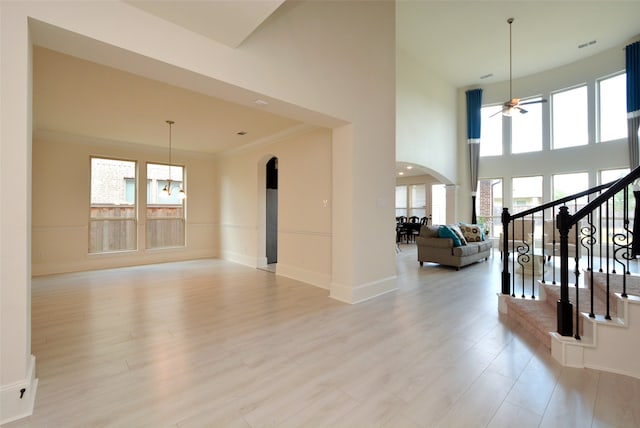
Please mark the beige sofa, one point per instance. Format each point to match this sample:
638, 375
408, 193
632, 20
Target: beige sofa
433, 248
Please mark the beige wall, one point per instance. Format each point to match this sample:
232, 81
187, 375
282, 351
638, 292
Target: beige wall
304, 219
61, 180
330, 64
426, 120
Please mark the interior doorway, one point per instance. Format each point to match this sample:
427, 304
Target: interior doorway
272, 211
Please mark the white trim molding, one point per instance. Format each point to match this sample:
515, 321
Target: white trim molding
360, 293
17, 399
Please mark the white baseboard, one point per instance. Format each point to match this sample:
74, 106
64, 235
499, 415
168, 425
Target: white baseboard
360, 293
239, 258
17, 399
314, 278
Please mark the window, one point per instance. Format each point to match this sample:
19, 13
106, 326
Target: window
491, 131
526, 129
609, 175
526, 193
570, 118
489, 205
612, 108
165, 212
401, 201
418, 200
438, 204
112, 215
570, 184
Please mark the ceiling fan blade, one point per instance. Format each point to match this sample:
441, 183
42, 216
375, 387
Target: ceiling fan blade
523, 111
497, 113
533, 102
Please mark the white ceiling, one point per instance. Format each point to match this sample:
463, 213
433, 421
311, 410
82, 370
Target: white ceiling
458, 40
463, 40
227, 21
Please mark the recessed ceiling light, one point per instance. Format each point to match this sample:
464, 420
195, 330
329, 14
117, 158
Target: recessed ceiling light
401, 173
261, 102
409, 167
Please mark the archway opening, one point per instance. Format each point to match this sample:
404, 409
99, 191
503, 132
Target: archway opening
272, 211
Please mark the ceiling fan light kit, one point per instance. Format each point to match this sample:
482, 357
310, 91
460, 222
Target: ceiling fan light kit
514, 104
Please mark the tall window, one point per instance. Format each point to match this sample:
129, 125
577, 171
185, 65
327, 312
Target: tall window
609, 175
570, 184
489, 205
526, 129
612, 108
438, 204
401, 201
165, 211
418, 200
112, 215
491, 131
526, 193
570, 118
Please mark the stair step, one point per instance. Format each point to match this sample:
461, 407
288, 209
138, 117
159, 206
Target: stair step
539, 316
535, 316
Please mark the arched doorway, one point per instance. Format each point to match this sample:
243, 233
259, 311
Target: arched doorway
272, 211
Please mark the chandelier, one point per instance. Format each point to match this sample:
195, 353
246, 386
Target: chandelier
166, 191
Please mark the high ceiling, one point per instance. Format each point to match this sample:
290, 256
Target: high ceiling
464, 40
458, 40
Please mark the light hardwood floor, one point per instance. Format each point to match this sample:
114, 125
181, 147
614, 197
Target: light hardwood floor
209, 343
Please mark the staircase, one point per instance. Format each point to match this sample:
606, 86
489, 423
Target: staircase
605, 344
597, 323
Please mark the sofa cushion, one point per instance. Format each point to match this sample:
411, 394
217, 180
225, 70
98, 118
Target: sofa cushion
446, 232
466, 250
484, 245
472, 232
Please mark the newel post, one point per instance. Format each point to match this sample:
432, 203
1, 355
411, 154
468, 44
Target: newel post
564, 306
506, 276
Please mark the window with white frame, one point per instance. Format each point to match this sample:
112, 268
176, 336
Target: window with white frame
438, 204
112, 213
612, 108
526, 129
165, 215
570, 184
526, 192
417, 200
569, 118
489, 205
401, 201
491, 131
609, 175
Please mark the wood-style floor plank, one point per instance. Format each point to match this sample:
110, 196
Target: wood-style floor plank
209, 343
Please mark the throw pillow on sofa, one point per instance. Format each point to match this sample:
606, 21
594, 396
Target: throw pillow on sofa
446, 232
458, 232
472, 232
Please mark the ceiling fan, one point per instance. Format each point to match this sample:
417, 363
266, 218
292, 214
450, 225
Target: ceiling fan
514, 104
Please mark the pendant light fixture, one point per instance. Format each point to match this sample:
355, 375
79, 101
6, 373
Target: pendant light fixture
166, 191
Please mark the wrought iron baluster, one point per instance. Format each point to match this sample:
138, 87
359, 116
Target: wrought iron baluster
607, 245
506, 276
